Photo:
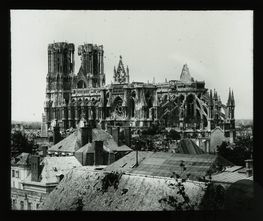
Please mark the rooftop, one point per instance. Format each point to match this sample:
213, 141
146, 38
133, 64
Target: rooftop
70, 144
81, 189
188, 146
163, 164
55, 166
231, 175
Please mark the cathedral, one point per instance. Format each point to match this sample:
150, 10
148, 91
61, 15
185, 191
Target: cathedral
184, 104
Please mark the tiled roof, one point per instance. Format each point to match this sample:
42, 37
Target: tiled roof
188, 146
134, 193
55, 166
90, 148
123, 148
164, 164
66, 145
231, 175
100, 135
86, 148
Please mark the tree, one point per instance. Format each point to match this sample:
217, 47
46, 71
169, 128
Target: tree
174, 135
238, 152
20, 144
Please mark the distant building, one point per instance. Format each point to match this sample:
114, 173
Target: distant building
20, 169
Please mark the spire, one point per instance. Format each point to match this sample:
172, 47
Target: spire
229, 98
215, 95
232, 99
211, 97
127, 76
185, 75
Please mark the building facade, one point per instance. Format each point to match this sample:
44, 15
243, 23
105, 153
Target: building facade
184, 104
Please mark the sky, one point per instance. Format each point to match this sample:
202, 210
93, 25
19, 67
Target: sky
217, 46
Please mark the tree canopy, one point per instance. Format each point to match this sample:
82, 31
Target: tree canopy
20, 144
237, 153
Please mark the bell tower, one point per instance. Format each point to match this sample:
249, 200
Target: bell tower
58, 81
92, 65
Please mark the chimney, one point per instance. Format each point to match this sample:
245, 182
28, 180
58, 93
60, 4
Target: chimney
35, 168
89, 134
44, 149
249, 167
98, 156
115, 134
56, 134
85, 135
127, 134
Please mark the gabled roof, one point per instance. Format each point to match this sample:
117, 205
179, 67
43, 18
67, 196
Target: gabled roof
87, 148
188, 146
164, 164
229, 176
68, 144
55, 166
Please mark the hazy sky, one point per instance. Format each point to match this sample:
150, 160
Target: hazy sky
216, 45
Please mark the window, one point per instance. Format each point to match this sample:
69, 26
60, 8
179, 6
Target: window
29, 205
17, 174
14, 203
22, 205
13, 173
14, 184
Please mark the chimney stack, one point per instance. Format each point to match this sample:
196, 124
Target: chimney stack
98, 153
127, 134
56, 134
35, 168
249, 167
85, 135
44, 149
